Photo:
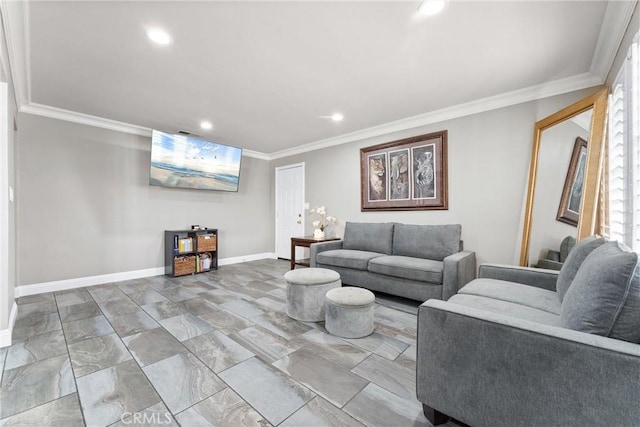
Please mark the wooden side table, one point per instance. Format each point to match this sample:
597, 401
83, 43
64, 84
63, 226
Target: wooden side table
304, 242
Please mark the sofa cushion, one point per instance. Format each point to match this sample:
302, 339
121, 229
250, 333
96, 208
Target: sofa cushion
530, 296
368, 236
506, 308
604, 298
358, 260
574, 260
434, 242
423, 270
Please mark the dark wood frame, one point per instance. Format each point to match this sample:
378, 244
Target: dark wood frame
565, 213
415, 188
171, 250
304, 242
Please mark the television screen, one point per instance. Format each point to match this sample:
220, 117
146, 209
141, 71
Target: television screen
186, 162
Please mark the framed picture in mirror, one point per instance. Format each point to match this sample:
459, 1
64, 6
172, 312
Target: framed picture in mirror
569, 209
408, 174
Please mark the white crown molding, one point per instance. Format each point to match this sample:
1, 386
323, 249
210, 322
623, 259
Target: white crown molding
5, 334
614, 25
15, 21
255, 154
84, 119
99, 122
81, 282
4, 55
557, 87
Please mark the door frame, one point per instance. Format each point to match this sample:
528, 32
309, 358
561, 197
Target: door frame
6, 295
275, 194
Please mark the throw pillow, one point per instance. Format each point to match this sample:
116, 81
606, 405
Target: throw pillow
576, 256
435, 242
604, 298
368, 236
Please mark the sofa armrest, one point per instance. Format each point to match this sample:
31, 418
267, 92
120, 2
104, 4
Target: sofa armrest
488, 369
553, 255
457, 270
316, 248
538, 277
549, 264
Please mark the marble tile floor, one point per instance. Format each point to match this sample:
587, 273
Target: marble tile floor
213, 349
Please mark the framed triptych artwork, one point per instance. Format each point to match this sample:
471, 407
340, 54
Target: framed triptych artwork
409, 174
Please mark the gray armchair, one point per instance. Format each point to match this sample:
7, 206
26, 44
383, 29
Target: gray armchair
554, 259
508, 350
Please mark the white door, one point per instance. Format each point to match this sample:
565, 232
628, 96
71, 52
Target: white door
289, 208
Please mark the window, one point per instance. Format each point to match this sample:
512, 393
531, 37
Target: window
624, 152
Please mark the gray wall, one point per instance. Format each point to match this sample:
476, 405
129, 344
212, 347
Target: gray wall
86, 208
488, 166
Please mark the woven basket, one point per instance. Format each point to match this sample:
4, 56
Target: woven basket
184, 265
206, 242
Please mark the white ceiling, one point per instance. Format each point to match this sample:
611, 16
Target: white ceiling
266, 72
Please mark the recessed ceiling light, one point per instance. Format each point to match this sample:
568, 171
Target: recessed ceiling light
159, 36
206, 125
430, 7
337, 117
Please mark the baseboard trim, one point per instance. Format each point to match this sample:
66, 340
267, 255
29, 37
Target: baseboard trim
81, 282
5, 334
247, 258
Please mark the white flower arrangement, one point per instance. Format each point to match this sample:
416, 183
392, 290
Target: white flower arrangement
321, 220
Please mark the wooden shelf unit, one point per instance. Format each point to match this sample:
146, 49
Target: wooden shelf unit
190, 251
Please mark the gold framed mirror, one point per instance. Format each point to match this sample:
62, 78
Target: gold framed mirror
590, 115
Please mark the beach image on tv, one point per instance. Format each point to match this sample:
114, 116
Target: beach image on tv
186, 162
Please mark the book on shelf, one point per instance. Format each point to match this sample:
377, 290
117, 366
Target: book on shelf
185, 245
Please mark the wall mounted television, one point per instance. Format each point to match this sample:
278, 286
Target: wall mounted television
186, 162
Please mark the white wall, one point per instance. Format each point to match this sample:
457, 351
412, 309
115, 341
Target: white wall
7, 179
86, 207
632, 29
488, 166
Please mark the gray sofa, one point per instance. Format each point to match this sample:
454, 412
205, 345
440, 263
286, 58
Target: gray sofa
531, 347
412, 261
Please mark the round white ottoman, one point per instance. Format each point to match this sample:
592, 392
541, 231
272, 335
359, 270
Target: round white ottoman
305, 292
349, 312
